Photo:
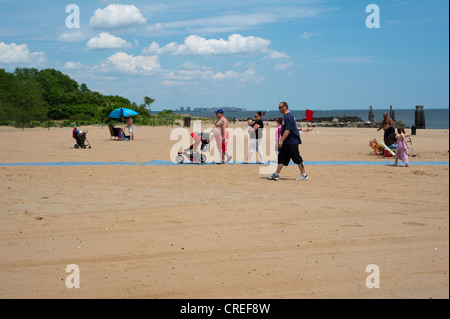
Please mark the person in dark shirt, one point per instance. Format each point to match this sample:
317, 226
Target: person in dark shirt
391, 140
289, 145
255, 132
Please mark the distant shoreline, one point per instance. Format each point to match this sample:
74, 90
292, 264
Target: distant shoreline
434, 118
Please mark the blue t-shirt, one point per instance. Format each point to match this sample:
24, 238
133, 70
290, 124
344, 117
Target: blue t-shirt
294, 134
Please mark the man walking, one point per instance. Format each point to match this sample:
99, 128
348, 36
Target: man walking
288, 145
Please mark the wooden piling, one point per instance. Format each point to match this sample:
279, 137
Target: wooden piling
371, 115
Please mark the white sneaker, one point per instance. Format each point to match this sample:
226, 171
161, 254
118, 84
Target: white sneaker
303, 177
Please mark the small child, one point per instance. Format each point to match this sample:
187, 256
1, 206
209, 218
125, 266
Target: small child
75, 131
250, 124
402, 148
278, 132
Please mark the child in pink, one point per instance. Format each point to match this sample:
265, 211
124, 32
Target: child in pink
402, 148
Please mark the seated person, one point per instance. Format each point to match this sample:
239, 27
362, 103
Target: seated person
391, 141
122, 135
76, 132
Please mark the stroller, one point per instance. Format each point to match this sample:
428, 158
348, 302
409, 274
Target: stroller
80, 137
192, 153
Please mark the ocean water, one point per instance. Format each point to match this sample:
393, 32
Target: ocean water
434, 118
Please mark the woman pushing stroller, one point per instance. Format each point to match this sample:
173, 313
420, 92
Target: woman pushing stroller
192, 153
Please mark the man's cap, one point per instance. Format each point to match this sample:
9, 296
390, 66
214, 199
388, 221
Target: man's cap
219, 111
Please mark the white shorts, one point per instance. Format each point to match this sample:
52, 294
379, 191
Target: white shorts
130, 129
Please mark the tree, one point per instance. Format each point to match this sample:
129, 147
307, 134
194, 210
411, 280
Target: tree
56, 86
35, 95
148, 101
84, 88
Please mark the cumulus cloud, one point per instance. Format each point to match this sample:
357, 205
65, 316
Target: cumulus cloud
107, 41
129, 64
117, 16
189, 72
196, 45
14, 53
71, 37
275, 55
73, 65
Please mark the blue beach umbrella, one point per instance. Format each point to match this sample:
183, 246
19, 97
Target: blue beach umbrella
122, 112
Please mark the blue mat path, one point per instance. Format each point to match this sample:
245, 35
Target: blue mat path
169, 163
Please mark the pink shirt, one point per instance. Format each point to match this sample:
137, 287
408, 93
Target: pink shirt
277, 137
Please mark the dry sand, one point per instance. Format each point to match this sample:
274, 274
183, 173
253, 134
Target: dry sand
220, 231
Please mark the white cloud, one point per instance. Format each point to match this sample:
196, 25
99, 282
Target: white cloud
189, 72
283, 66
195, 45
233, 21
275, 55
116, 16
73, 65
155, 28
129, 64
14, 53
107, 41
71, 37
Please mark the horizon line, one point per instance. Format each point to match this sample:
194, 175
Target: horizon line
373, 109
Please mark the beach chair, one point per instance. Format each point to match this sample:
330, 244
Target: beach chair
377, 147
113, 131
387, 151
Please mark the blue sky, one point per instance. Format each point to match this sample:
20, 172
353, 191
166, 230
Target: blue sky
316, 54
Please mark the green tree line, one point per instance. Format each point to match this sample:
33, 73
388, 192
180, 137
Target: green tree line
33, 97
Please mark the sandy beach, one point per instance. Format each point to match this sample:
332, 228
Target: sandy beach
221, 231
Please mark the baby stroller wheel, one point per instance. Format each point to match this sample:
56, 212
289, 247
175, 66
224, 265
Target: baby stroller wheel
180, 159
76, 146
